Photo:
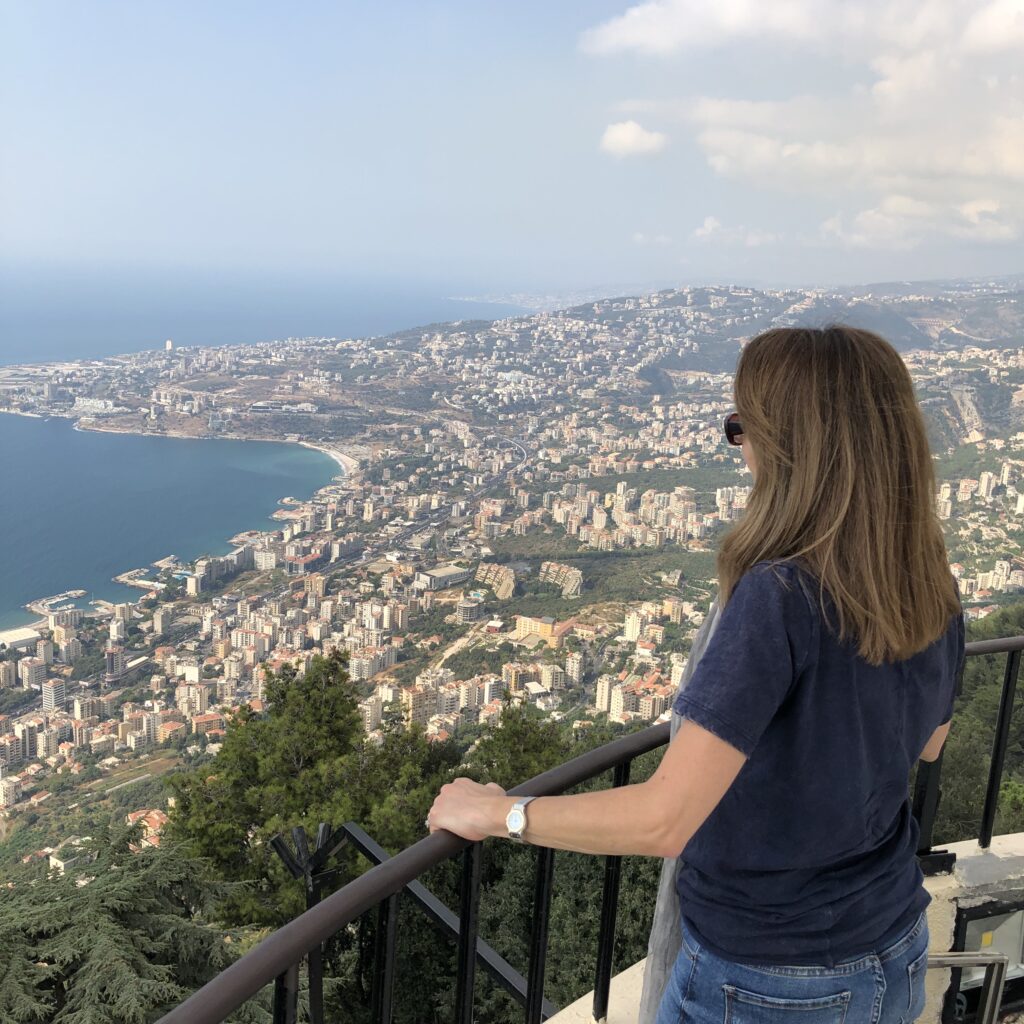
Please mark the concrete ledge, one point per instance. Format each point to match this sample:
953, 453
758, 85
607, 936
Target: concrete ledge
623, 1000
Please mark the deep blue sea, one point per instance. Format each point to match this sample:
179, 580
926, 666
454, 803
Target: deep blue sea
78, 507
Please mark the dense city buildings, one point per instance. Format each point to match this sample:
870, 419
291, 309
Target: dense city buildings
527, 513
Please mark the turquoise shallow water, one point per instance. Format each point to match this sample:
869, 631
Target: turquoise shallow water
78, 507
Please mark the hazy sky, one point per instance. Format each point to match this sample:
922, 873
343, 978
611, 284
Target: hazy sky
501, 146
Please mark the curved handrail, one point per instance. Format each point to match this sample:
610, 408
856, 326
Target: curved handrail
289, 944
292, 941
1000, 645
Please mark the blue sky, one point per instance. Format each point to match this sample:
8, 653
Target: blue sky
496, 147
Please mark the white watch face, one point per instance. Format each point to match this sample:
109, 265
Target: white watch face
516, 821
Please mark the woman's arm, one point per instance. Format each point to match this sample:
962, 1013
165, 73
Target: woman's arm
655, 818
933, 747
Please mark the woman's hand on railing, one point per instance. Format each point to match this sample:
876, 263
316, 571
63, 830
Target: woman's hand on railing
655, 818
469, 809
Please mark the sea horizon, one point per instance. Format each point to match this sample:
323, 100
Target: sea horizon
63, 317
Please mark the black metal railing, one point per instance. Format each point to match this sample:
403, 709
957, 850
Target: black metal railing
487, 958
278, 958
927, 787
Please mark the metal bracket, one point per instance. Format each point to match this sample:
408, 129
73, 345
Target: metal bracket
936, 862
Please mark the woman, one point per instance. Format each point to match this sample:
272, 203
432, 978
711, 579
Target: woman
831, 671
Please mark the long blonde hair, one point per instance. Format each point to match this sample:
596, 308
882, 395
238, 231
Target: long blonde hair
844, 486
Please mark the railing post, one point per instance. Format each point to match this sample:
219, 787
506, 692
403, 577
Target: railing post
286, 996
925, 804
991, 992
469, 920
315, 957
609, 912
308, 866
999, 745
315, 969
539, 933
384, 960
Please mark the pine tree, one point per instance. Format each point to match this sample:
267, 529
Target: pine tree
306, 761
119, 939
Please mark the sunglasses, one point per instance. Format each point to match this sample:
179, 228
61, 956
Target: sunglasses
733, 428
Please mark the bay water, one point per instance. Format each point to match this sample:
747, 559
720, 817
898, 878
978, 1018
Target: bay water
79, 507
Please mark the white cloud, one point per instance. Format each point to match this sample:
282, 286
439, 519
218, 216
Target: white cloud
997, 26
628, 138
713, 230
928, 141
643, 238
899, 223
711, 226
983, 221
665, 26
876, 228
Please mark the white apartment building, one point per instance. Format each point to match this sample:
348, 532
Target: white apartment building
10, 791
32, 672
624, 698
603, 698
634, 625
574, 667
54, 695
264, 559
372, 710
552, 677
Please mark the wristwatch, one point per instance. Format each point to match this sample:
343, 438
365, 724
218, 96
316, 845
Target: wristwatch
515, 820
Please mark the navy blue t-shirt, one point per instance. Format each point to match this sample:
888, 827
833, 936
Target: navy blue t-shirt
810, 856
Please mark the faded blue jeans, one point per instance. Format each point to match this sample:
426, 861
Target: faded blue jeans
879, 988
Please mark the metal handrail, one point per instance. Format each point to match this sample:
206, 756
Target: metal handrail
1000, 645
277, 957
995, 964
294, 940
927, 789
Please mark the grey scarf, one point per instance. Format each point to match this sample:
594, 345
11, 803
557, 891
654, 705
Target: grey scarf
666, 939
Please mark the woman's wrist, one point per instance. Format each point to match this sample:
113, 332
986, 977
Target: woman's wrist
497, 812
